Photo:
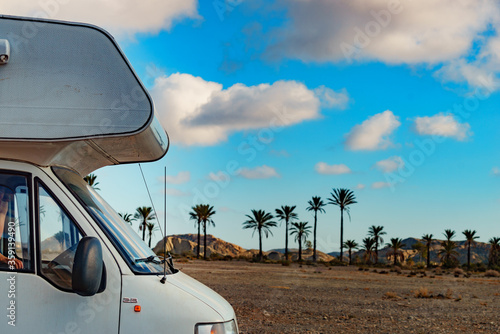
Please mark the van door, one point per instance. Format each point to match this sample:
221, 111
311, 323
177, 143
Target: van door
36, 286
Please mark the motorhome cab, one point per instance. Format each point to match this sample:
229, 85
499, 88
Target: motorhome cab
69, 104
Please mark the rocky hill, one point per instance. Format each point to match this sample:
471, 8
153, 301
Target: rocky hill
185, 244
479, 251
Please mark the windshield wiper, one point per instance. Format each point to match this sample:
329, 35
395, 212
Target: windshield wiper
149, 259
153, 259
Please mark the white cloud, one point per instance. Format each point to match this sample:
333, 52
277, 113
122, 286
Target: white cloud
332, 99
261, 172
444, 125
121, 17
380, 185
389, 165
373, 134
177, 192
323, 168
495, 171
280, 153
199, 112
360, 186
428, 31
220, 176
180, 178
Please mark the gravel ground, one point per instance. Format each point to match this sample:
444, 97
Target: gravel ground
271, 298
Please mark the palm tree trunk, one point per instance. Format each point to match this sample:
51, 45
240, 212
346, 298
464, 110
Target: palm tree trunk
144, 230
150, 235
260, 245
198, 248
204, 240
428, 255
300, 249
286, 239
350, 260
395, 258
468, 256
341, 235
376, 250
315, 221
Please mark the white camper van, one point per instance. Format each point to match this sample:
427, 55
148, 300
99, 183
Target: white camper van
70, 103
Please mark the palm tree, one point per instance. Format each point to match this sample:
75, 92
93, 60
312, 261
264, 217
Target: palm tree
350, 244
127, 217
494, 256
420, 250
470, 236
151, 229
376, 232
301, 231
286, 213
195, 215
315, 205
91, 180
369, 245
448, 253
449, 234
144, 214
206, 212
428, 242
396, 244
261, 221
342, 198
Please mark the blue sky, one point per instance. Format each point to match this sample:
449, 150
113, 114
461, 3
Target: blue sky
271, 103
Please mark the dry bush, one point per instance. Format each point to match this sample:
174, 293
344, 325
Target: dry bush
438, 271
397, 269
449, 294
492, 273
391, 295
423, 293
458, 271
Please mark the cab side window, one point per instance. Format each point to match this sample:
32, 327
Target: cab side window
15, 242
59, 238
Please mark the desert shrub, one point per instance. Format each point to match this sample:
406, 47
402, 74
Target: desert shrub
410, 262
458, 271
285, 263
391, 295
396, 269
423, 293
479, 267
361, 268
420, 265
438, 271
492, 273
188, 254
383, 272
449, 294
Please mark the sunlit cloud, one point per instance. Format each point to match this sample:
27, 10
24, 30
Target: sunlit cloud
324, 168
373, 134
389, 165
199, 112
261, 172
444, 125
120, 17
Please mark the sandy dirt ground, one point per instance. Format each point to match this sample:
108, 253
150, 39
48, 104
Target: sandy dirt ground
271, 298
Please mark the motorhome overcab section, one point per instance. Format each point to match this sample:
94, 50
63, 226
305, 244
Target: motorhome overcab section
70, 103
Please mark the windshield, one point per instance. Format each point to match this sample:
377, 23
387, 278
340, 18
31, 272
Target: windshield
121, 234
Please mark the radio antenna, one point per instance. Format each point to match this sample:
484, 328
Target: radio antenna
164, 278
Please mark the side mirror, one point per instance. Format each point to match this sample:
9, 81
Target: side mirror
88, 267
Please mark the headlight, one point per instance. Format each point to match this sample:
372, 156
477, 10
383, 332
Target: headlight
217, 328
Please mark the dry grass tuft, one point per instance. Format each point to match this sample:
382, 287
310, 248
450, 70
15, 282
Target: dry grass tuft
492, 273
423, 293
448, 294
391, 295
